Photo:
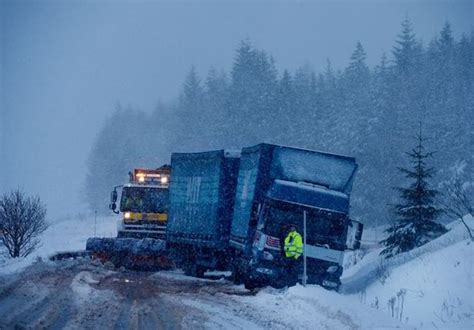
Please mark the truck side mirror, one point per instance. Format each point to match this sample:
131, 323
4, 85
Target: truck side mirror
113, 196
113, 201
354, 235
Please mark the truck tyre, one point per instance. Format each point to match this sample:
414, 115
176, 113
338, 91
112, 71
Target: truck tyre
190, 268
200, 270
250, 285
237, 276
279, 284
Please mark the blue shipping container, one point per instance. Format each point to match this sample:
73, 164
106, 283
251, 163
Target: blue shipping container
202, 192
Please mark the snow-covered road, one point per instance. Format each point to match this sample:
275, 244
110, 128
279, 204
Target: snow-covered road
80, 294
429, 288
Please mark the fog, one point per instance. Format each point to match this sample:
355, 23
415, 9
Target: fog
66, 65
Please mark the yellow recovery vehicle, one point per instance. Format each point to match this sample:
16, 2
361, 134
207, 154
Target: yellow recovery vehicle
140, 242
144, 203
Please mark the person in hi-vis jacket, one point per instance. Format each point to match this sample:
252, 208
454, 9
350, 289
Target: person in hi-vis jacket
293, 249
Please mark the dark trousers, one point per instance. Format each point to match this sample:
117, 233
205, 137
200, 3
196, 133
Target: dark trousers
292, 271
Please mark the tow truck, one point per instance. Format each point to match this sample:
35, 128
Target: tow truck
144, 203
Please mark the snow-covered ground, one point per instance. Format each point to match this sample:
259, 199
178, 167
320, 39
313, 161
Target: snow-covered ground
66, 234
428, 288
296, 308
431, 287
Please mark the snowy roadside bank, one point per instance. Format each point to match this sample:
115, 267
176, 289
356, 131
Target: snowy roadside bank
430, 287
369, 268
68, 234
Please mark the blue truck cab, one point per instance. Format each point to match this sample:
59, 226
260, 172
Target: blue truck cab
278, 186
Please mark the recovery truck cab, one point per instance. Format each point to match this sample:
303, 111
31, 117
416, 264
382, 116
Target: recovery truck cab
144, 203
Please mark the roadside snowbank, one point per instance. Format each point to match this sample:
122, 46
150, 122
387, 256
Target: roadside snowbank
434, 290
65, 235
430, 287
295, 308
316, 308
427, 288
368, 268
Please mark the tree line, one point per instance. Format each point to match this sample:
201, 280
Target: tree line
369, 113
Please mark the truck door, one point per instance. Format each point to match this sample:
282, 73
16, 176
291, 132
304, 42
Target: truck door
354, 235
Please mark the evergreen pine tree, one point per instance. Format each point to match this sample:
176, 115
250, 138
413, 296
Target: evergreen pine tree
356, 108
119, 147
416, 213
190, 111
304, 117
329, 99
283, 127
407, 93
215, 111
192, 96
406, 51
358, 72
252, 93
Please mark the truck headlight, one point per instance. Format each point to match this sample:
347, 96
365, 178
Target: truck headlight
127, 215
264, 270
332, 269
268, 256
254, 252
330, 284
164, 179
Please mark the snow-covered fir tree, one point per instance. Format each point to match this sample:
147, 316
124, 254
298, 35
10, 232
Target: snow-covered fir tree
416, 213
359, 111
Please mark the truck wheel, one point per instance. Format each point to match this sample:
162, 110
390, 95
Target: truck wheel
188, 269
237, 277
191, 269
250, 285
279, 284
200, 270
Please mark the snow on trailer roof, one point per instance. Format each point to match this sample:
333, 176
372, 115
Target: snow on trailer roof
231, 153
309, 187
308, 150
192, 155
313, 196
296, 164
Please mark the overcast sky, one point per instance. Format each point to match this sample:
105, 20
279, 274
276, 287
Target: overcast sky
66, 64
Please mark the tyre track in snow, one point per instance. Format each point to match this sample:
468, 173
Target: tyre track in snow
78, 295
28, 302
227, 311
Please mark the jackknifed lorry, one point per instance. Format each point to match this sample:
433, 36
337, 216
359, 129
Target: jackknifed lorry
230, 210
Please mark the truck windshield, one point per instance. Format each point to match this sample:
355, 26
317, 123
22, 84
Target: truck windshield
321, 227
144, 200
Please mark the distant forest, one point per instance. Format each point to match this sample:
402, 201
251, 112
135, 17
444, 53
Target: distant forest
372, 114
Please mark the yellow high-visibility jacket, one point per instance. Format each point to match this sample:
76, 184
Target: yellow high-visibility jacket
293, 245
